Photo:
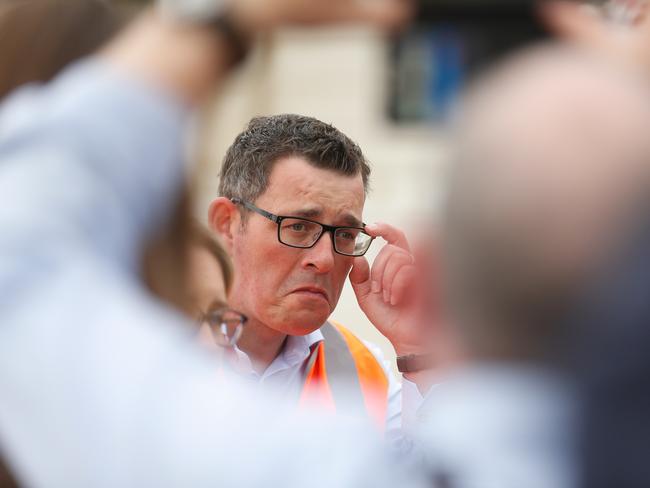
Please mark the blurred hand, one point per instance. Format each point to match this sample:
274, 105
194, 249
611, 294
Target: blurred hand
627, 41
262, 15
386, 293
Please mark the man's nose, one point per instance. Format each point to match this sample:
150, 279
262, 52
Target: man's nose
320, 257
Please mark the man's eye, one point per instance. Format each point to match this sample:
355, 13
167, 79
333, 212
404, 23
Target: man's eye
297, 227
349, 236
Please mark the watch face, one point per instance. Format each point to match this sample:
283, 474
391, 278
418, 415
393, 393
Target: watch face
192, 10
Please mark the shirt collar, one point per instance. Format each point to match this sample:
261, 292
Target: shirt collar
295, 351
298, 348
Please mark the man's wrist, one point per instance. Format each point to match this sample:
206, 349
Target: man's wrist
234, 35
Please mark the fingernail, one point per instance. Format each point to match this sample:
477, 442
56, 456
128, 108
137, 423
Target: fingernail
386, 296
375, 287
393, 300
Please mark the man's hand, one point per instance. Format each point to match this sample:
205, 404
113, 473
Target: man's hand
189, 61
386, 292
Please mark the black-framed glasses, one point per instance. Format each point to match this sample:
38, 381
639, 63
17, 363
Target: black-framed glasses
225, 324
304, 233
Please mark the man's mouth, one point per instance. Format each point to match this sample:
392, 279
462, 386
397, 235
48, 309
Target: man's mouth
313, 292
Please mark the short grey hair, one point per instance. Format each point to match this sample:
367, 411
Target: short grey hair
250, 159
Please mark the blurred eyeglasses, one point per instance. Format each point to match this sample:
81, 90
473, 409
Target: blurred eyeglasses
304, 233
225, 324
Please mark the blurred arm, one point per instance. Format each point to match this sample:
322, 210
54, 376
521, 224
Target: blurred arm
190, 60
91, 368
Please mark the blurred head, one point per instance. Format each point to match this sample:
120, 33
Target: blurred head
552, 154
209, 273
209, 277
288, 165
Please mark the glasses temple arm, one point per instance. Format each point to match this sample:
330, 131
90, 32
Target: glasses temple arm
253, 208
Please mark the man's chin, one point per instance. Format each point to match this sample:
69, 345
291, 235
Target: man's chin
300, 316
306, 326
305, 322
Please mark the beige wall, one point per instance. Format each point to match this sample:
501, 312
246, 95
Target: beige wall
338, 76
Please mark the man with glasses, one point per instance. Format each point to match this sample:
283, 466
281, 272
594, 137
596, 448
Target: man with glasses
292, 193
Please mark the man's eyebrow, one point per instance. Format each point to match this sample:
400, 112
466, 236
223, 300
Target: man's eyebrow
308, 213
352, 221
314, 213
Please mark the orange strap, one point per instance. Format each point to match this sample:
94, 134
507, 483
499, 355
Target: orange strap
316, 390
372, 378
374, 383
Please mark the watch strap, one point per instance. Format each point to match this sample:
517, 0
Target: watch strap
413, 363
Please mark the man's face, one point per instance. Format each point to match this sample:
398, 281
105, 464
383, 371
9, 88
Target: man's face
294, 290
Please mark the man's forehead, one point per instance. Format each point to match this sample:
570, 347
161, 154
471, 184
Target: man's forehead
298, 186
298, 170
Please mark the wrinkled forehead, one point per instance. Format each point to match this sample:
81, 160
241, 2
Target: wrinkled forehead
296, 186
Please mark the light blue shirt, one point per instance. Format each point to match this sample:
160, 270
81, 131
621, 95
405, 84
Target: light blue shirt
100, 384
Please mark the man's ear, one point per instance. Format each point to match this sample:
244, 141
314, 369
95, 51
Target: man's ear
224, 219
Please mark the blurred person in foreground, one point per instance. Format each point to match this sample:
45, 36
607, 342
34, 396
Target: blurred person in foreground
101, 384
612, 363
550, 170
67, 30
290, 212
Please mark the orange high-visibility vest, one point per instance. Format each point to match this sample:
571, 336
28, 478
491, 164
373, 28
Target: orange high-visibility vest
342, 372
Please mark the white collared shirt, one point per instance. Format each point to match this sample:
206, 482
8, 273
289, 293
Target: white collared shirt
286, 376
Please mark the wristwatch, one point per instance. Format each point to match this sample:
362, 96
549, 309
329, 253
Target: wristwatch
414, 363
213, 14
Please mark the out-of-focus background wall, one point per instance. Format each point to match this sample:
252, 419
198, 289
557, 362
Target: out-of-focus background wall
340, 76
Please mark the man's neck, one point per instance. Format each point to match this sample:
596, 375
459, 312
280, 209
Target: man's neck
261, 344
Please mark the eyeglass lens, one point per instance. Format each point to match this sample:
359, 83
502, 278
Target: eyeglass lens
303, 233
226, 326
